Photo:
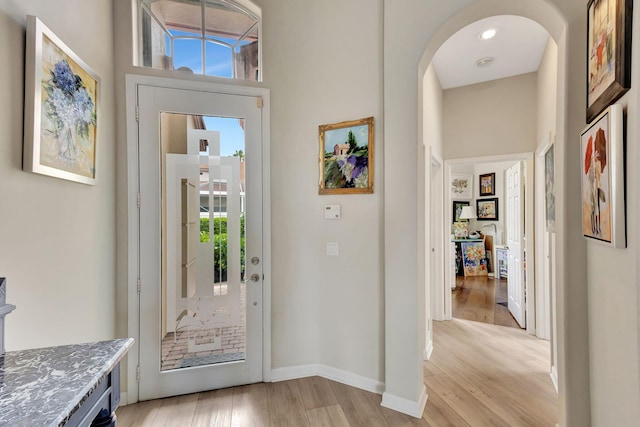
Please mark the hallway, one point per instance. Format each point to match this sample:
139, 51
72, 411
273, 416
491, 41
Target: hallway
469, 382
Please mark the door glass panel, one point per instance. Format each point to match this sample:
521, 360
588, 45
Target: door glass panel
203, 216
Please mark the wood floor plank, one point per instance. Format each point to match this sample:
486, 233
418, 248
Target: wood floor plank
316, 392
285, 405
438, 414
141, 414
328, 416
464, 403
214, 408
397, 419
359, 406
250, 406
175, 411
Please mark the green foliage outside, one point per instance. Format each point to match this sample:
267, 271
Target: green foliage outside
220, 245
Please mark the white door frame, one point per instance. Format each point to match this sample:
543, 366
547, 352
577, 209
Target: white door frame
133, 231
528, 158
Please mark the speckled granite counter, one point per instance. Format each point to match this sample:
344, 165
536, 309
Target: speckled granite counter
64, 385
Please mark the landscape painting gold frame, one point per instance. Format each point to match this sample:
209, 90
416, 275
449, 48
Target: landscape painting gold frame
345, 157
61, 109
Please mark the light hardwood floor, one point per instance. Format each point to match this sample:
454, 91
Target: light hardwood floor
479, 298
478, 375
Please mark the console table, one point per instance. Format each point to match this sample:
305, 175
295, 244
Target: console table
70, 385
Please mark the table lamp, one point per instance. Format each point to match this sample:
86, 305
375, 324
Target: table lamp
466, 213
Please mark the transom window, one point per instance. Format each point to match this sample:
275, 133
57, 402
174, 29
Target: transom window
211, 37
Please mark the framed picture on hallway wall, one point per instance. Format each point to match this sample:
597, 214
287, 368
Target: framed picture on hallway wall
608, 53
461, 186
61, 109
487, 184
487, 209
346, 157
602, 179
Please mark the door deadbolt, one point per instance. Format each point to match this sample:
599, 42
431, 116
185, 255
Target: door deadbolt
255, 260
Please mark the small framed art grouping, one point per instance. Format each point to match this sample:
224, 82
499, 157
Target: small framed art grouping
346, 157
608, 53
61, 108
602, 179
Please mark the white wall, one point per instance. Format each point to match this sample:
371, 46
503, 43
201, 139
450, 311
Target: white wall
323, 63
57, 237
497, 117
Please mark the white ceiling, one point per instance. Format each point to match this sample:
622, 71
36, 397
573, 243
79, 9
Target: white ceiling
516, 49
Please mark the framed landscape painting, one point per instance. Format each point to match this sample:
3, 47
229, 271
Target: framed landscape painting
61, 109
346, 157
608, 53
602, 179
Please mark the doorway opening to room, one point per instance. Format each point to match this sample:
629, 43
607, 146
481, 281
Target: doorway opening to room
491, 260
467, 125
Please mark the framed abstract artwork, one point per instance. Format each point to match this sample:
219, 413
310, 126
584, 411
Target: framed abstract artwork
487, 184
608, 53
549, 191
602, 179
487, 209
61, 109
346, 157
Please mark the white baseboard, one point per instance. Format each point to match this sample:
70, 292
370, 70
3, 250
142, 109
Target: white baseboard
406, 406
428, 350
554, 377
338, 375
293, 372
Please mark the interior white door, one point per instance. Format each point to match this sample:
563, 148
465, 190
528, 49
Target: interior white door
516, 285
200, 175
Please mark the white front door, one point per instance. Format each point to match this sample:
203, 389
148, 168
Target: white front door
201, 274
515, 241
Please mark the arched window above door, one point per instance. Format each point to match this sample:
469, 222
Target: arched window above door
211, 37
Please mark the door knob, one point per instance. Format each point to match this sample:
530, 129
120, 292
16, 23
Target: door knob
255, 277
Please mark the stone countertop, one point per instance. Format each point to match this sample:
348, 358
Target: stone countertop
43, 387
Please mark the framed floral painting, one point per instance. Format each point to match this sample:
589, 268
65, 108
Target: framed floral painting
61, 109
346, 157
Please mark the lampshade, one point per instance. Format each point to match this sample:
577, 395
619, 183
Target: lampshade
467, 213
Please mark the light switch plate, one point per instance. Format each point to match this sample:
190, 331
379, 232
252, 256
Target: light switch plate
333, 249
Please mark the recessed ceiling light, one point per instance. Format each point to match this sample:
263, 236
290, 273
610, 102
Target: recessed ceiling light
484, 62
488, 34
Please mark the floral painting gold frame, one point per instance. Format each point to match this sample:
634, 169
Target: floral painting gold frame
346, 157
61, 109
608, 53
